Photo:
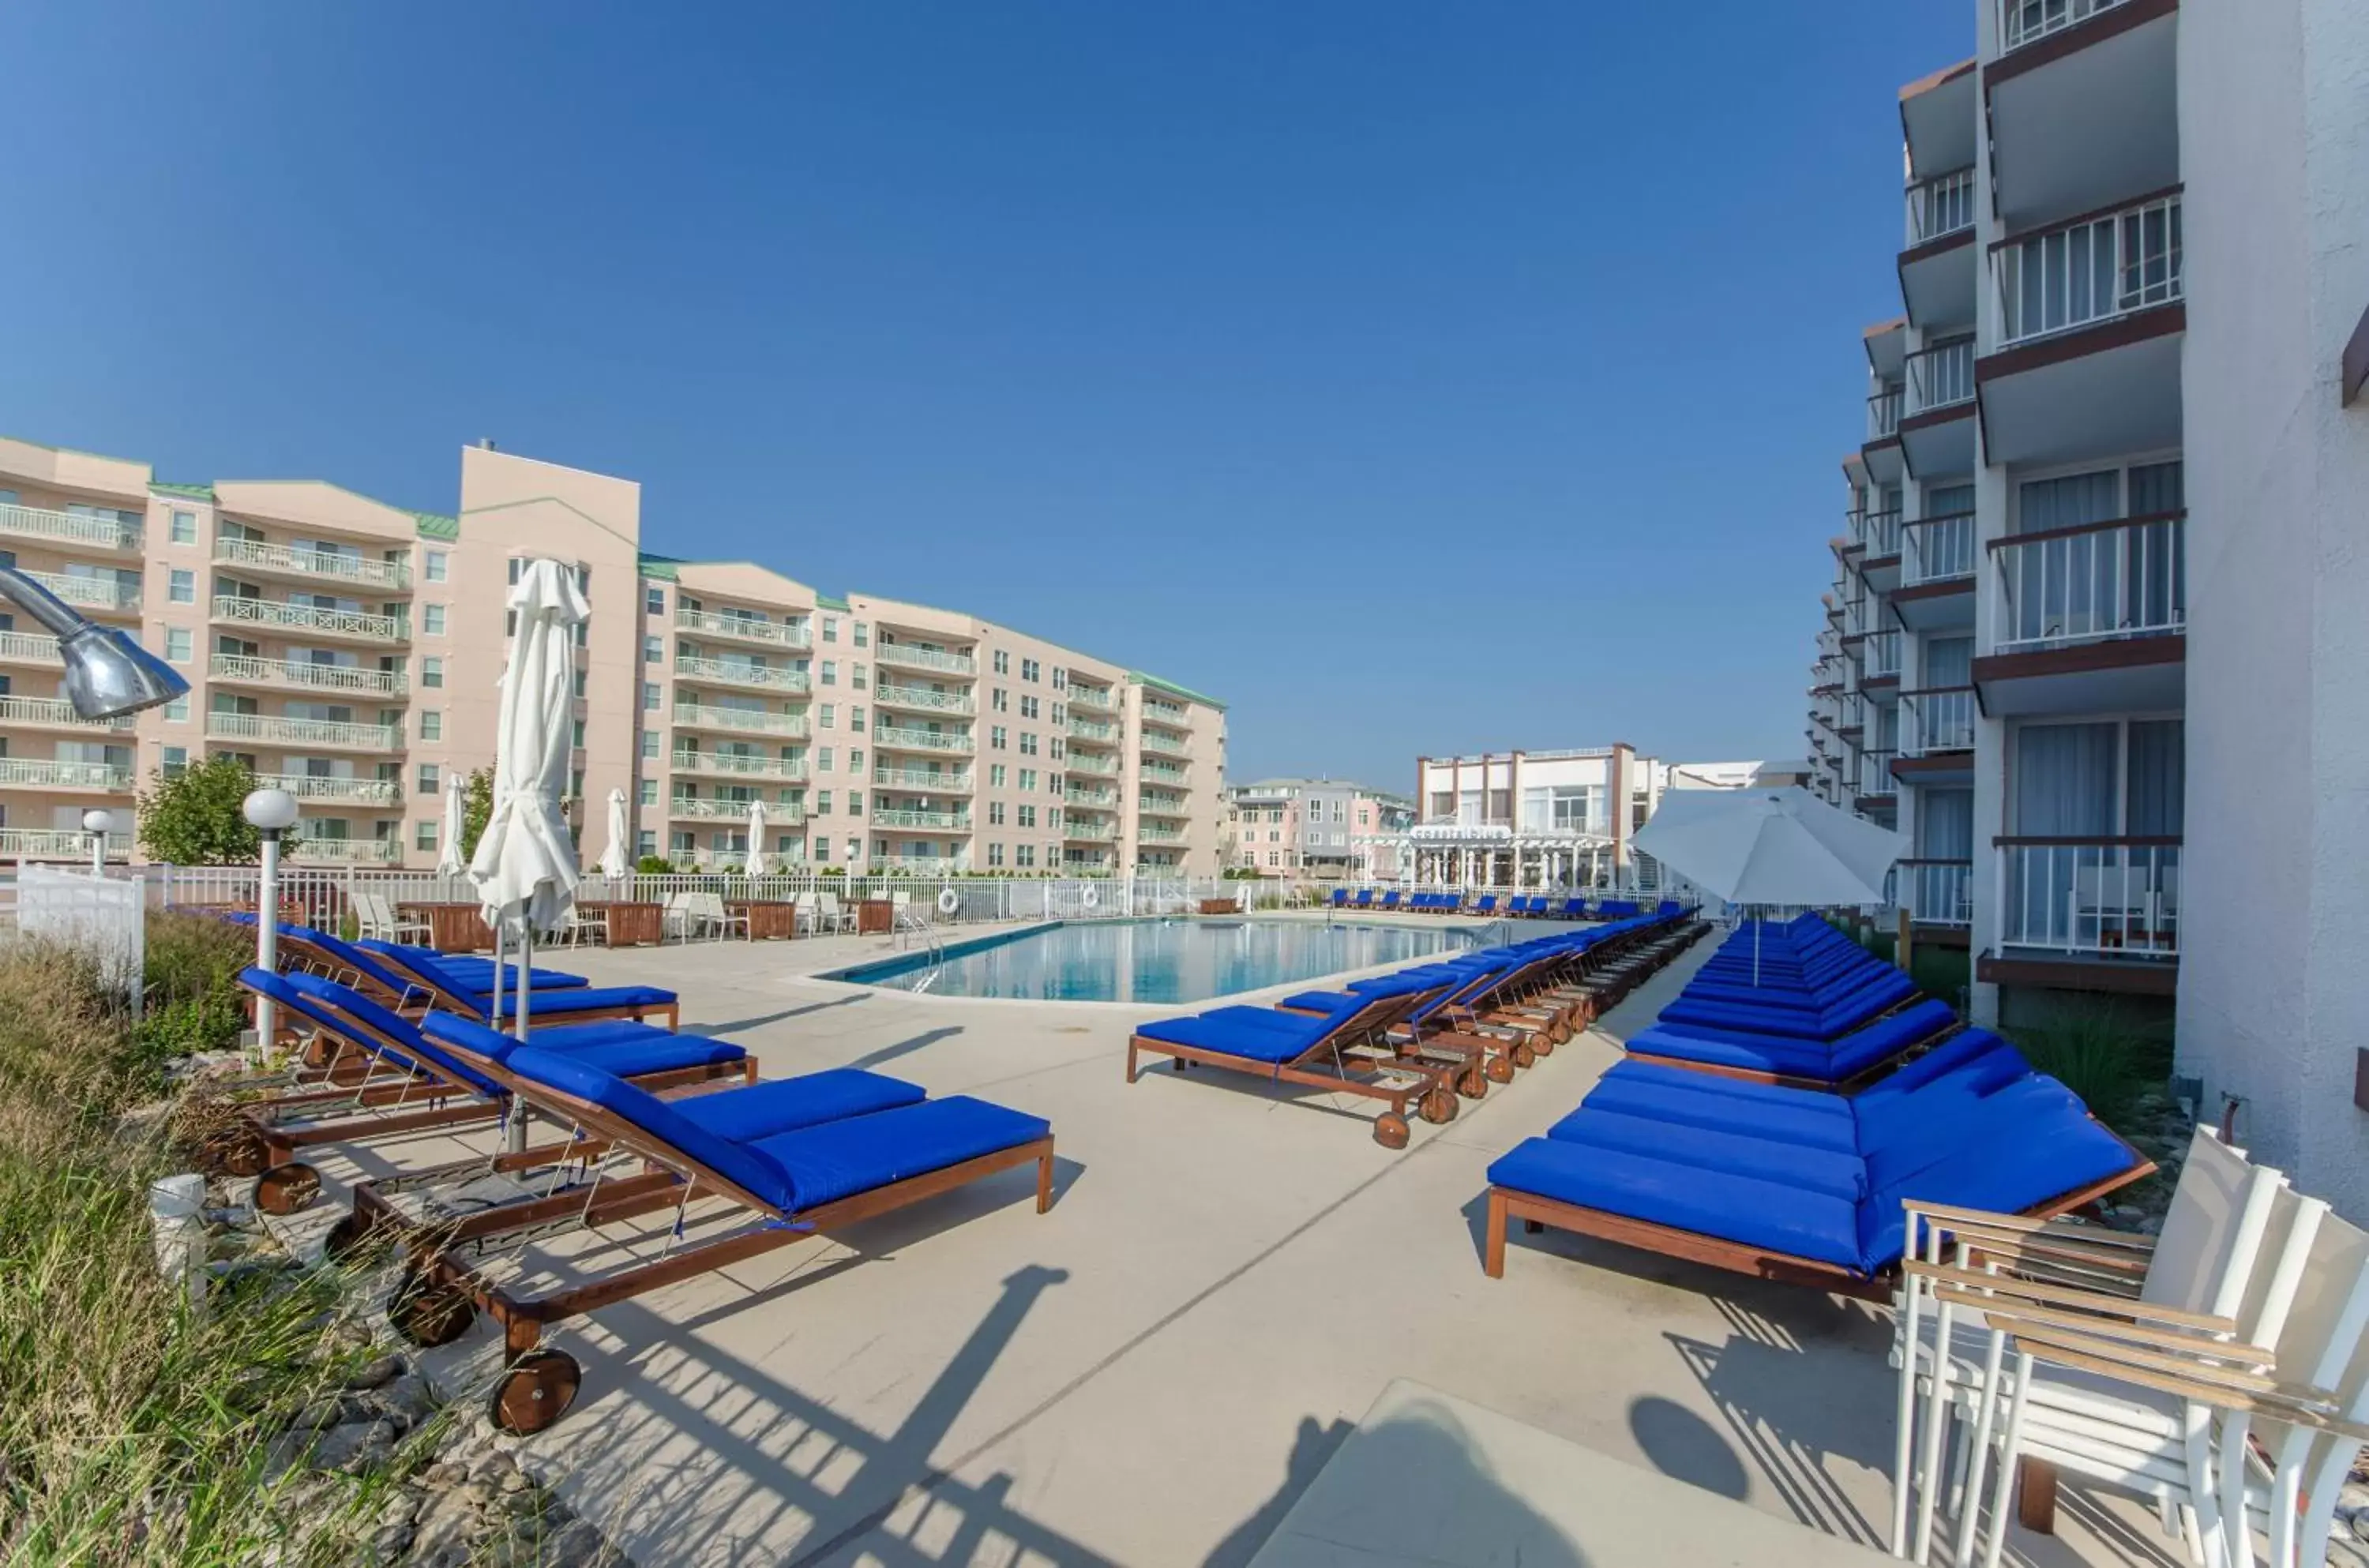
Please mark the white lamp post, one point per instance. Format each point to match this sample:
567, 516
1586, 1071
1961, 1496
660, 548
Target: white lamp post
270, 812
98, 824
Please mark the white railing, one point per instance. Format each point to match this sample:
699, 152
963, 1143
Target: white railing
1161, 770
1937, 549
2091, 584
1104, 799
1883, 414
306, 618
1093, 697
110, 593
749, 721
343, 566
1080, 763
1939, 892
1942, 376
888, 696
1089, 832
1879, 656
914, 658
2023, 21
2117, 896
311, 786
1160, 805
303, 672
704, 809
920, 739
302, 731
1880, 532
1147, 834
30, 647
1157, 710
39, 523
733, 671
930, 821
1152, 740
53, 710
956, 782
2088, 271
36, 773
1091, 730
1941, 206
735, 763
1940, 719
58, 844
783, 633
1876, 772
327, 850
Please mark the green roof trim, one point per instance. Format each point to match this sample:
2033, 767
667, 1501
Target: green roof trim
194, 492
436, 525
666, 568
1174, 689
825, 602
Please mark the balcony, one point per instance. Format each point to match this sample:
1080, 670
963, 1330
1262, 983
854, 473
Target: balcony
1883, 414
911, 656
1938, 719
921, 821
2090, 323
706, 808
29, 648
2090, 618
1937, 434
2102, 897
740, 721
54, 711
954, 781
921, 699
1158, 710
900, 739
276, 731
738, 672
1937, 267
108, 595
1103, 799
1938, 892
1162, 771
747, 628
1165, 745
327, 851
1879, 531
271, 613
2082, 105
1079, 831
1145, 833
351, 791
1096, 698
1092, 732
245, 669
1875, 781
1940, 207
1161, 805
1879, 656
69, 528
334, 565
40, 772
735, 764
1079, 762
58, 844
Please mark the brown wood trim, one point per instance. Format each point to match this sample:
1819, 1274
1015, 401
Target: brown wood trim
2118, 652
1932, 418
1913, 860
1937, 517
1942, 77
2356, 360
1935, 690
1889, 682
1933, 763
2157, 978
2140, 326
2106, 525
1892, 441
2150, 842
2126, 204
1932, 249
1874, 563
1942, 589
2122, 19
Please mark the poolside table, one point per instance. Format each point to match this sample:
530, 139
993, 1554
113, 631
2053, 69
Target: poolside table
875, 917
452, 928
630, 922
770, 920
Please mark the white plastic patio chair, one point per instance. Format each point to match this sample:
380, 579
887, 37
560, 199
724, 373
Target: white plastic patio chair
582, 926
808, 916
682, 920
709, 907
375, 914
834, 918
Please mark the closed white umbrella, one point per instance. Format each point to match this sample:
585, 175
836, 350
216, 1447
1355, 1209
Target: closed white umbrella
759, 864
525, 868
614, 863
457, 806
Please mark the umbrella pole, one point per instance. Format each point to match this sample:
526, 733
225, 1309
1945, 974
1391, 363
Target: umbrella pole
516, 1132
497, 975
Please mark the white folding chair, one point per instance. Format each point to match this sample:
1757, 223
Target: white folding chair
709, 907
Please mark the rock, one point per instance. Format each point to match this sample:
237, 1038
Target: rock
377, 1372
511, 1481
472, 1496
578, 1545
408, 1400
2151, 1224
355, 1447
402, 1507
441, 1474
319, 1416
492, 1466
2352, 1498
446, 1531
390, 1543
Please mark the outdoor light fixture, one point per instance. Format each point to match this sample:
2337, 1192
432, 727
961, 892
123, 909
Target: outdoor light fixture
269, 812
108, 674
98, 824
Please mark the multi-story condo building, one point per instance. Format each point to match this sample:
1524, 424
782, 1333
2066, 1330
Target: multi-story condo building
2088, 641
1322, 827
1524, 818
346, 650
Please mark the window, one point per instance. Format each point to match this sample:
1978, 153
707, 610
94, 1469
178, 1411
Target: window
995, 854
181, 587
831, 672
1028, 669
184, 528
855, 675
654, 600
178, 710
429, 781
1060, 680
577, 729
432, 620
1023, 854
856, 718
1028, 817
648, 790
1027, 707
1060, 715
822, 803
995, 775
830, 628
576, 685
1003, 662
999, 699
1058, 748
436, 565
1053, 784
431, 671
649, 746
653, 650
423, 835
1028, 743
995, 814
995, 738
827, 714
1028, 778
856, 803
862, 635
822, 758
177, 644
652, 695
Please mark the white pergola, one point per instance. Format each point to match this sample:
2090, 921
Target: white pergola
1492, 854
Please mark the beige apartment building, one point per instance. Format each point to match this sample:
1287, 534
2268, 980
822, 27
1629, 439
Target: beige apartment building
347, 650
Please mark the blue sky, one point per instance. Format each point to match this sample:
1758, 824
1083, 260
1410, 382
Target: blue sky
1416, 377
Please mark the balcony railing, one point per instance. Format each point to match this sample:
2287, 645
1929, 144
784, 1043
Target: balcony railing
1173, 714
306, 618
2024, 21
58, 844
782, 634
1168, 745
1103, 798
951, 782
338, 565
1145, 833
327, 850
302, 731
53, 710
913, 658
1093, 697
2092, 582
1080, 762
110, 593
1879, 656
923, 699
738, 764
1941, 206
1940, 718
2100, 896
923, 822
1088, 830
747, 721
303, 672
73, 527
36, 773
1937, 549
738, 672
2088, 271
1162, 771
1942, 376
1938, 892
29, 648
1883, 414
706, 808
920, 739
1091, 731
1875, 772
354, 791
1880, 532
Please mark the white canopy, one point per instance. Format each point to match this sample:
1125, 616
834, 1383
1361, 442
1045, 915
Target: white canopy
525, 868
448, 859
1770, 847
759, 863
612, 859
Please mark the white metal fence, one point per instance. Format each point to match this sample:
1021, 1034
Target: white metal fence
2089, 271
2025, 21
1941, 206
2119, 896
1936, 549
1942, 376
1938, 892
2115, 579
1942, 719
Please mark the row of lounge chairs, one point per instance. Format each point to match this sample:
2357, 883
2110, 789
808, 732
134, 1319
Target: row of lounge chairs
1527, 906
1422, 1038
400, 1042
1777, 1128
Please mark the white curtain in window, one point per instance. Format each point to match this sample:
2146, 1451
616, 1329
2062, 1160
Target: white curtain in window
2159, 778
2064, 781
1945, 824
1949, 661
2075, 498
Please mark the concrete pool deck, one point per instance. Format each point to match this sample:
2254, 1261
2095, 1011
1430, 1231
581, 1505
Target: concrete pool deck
1153, 1372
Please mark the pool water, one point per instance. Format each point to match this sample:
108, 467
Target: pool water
1153, 960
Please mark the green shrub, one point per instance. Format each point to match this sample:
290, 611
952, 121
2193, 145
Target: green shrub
193, 1002
195, 817
654, 866
2100, 1055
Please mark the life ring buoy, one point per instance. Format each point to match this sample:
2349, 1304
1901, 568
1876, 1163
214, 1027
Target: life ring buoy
1089, 897
948, 900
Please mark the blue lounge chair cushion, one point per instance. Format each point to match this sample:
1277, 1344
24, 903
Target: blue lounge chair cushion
496, 1044
472, 970
837, 1159
1831, 1172
785, 1104
312, 996
661, 1051
1250, 1043
558, 1004
1834, 1106
1771, 1214
2052, 1157
738, 1164
1726, 1113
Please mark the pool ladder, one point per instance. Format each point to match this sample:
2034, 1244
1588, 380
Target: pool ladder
909, 925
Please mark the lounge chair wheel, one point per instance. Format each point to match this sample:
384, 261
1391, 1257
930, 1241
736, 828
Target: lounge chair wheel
428, 1314
1524, 1056
286, 1188
1438, 1106
1544, 1046
1500, 1068
345, 1239
236, 1154
535, 1391
1391, 1130
1472, 1083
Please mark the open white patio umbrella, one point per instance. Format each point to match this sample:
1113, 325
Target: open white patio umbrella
759, 863
1770, 847
613, 862
525, 868
448, 861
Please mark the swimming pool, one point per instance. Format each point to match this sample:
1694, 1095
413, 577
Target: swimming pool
1153, 960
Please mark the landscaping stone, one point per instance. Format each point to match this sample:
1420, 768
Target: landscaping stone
375, 1373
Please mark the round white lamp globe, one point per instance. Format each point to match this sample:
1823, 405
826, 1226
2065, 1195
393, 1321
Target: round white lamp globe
273, 810
98, 821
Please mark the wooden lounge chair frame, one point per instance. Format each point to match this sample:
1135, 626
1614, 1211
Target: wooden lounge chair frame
422, 993
441, 1292
1850, 1085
